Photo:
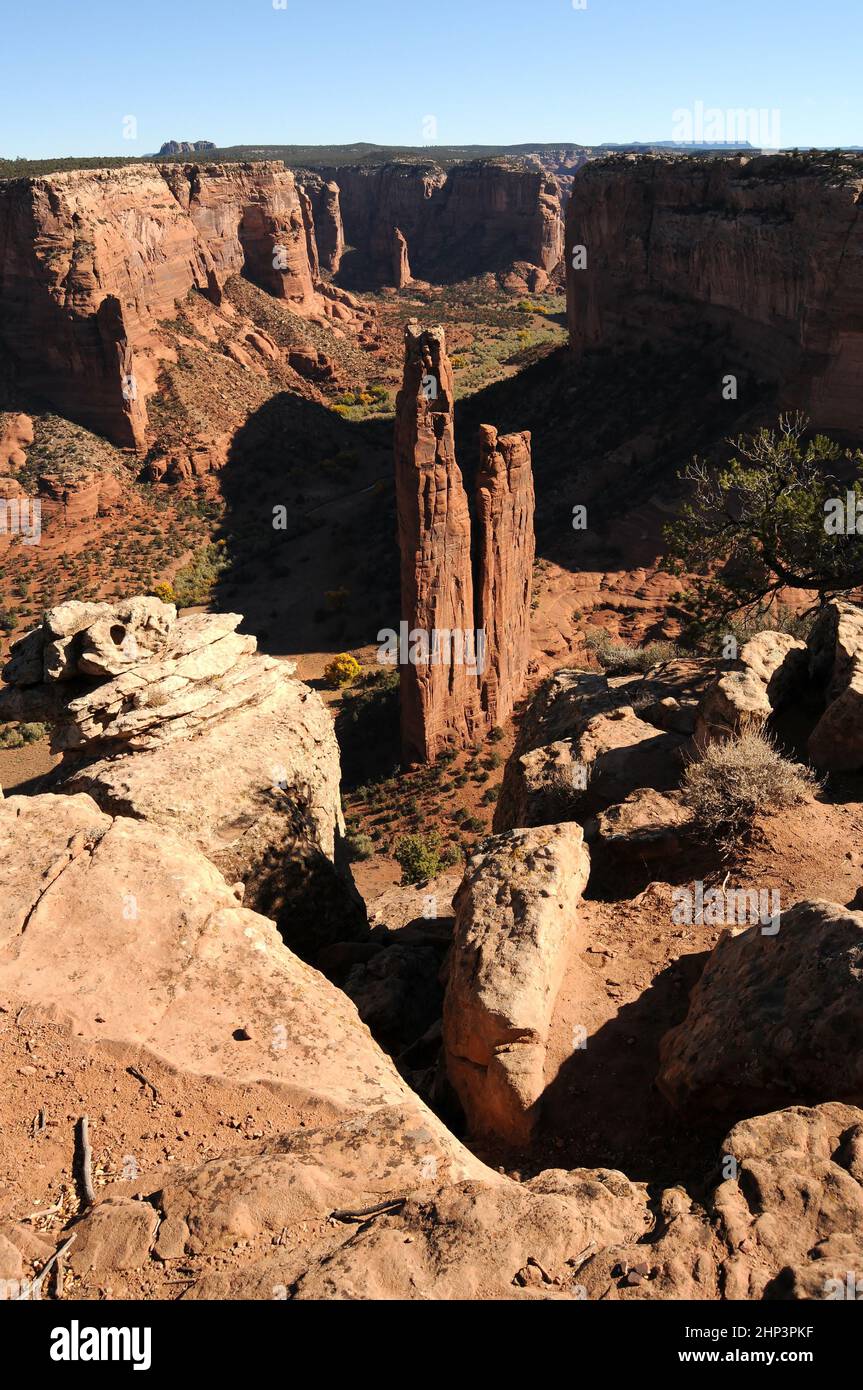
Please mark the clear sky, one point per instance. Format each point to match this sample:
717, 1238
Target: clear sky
488, 71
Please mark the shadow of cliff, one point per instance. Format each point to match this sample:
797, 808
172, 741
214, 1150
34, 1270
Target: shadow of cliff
310, 528
611, 432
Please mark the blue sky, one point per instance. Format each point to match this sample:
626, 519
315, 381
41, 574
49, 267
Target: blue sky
487, 71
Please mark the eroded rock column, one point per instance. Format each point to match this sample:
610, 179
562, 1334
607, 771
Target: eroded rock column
439, 694
505, 549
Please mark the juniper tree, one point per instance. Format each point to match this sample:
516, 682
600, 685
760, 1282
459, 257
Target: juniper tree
777, 516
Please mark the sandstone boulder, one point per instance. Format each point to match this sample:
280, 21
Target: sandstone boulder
776, 1018
647, 825
770, 669
613, 755
836, 664
516, 917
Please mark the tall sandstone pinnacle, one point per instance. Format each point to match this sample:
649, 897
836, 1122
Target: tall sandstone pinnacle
439, 702
401, 261
463, 688
505, 550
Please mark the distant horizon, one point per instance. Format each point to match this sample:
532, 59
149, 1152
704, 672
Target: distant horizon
372, 146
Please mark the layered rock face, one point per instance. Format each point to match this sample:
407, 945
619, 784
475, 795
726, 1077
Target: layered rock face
763, 254
150, 709
473, 664
90, 261
468, 220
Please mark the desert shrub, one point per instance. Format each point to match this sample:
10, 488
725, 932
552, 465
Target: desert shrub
473, 824
342, 671
194, 583
419, 857
496, 735
622, 659
31, 733
733, 781
165, 592
490, 797
452, 854
359, 845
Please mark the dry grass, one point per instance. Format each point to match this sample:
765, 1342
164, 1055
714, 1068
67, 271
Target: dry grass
733, 782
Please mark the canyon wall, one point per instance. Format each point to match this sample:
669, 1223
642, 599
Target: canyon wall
758, 260
471, 219
452, 692
90, 261
324, 196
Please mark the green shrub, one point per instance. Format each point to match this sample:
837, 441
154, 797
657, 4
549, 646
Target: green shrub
419, 857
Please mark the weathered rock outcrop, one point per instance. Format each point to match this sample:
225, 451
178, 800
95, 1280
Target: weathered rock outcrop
836, 663
762, 257
91, 260
151, 709
768, 672
784, 1224
776, 1018
468, 220
581, 746
775, 670
516, 915
472, 668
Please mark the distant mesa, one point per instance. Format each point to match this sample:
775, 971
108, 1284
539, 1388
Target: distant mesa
186, 146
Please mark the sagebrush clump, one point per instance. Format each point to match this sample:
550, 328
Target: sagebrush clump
622, 659
734, 781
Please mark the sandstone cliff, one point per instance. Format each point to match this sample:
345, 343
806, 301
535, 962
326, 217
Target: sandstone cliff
758, 259
90, 261
468, 220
